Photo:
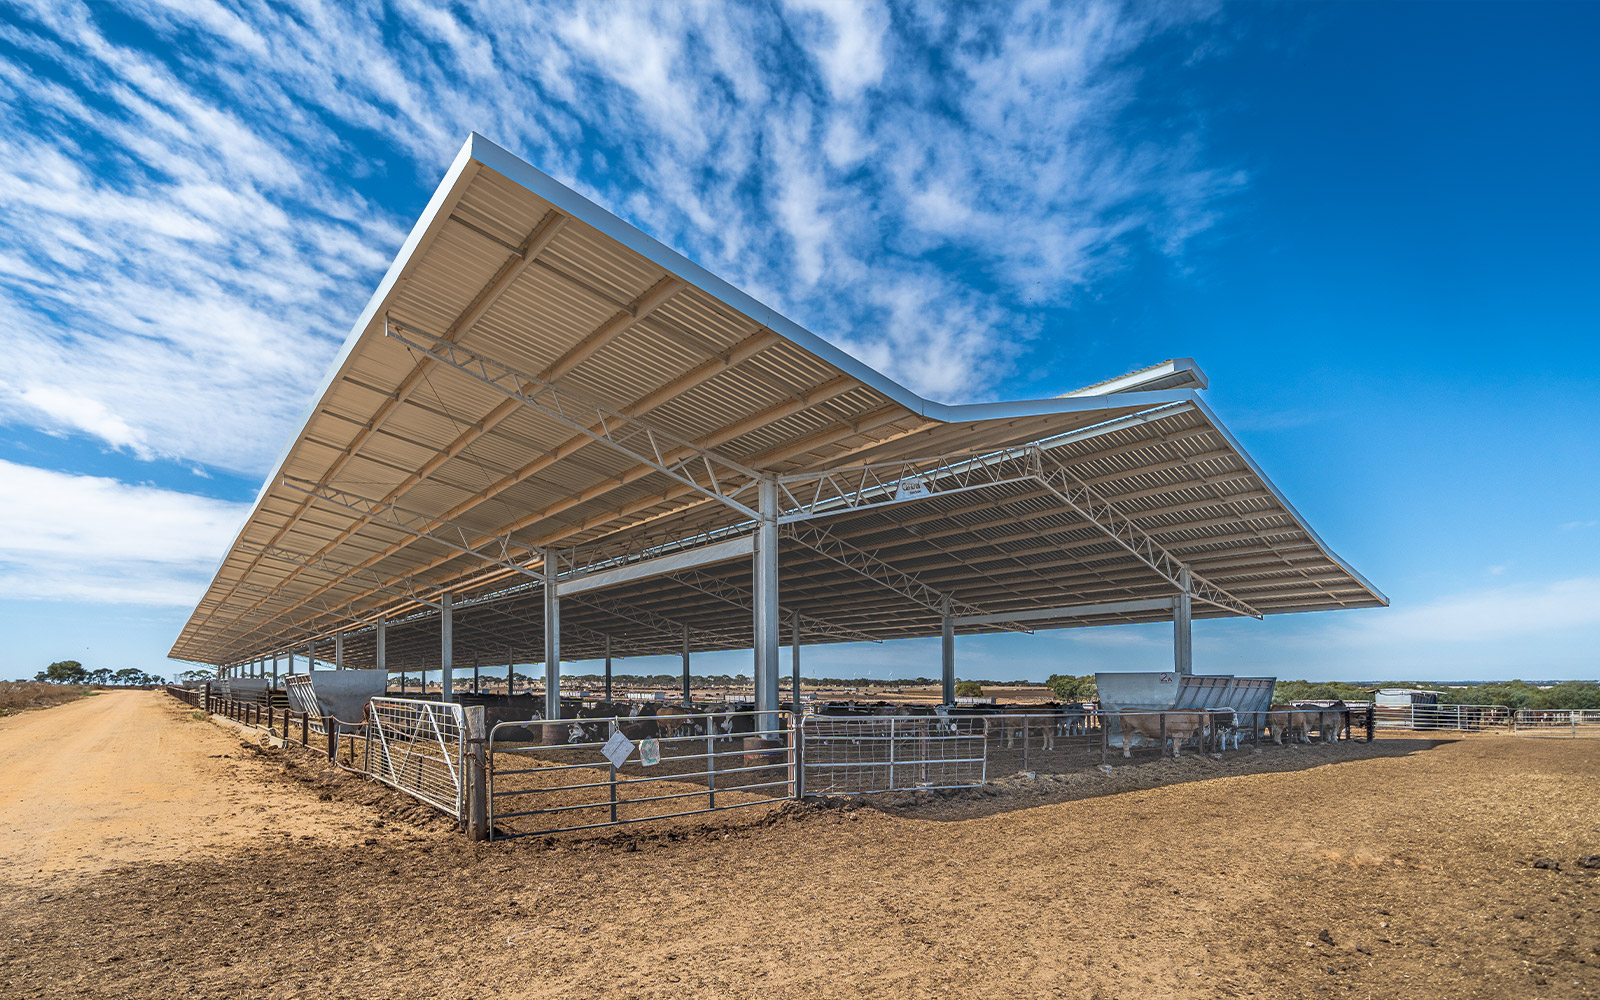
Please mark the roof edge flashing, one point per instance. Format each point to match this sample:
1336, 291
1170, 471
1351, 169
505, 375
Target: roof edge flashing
1176, 373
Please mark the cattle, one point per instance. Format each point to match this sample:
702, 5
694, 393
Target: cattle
677, 720
1288, 720
1180, 726
1020, 722
1329, 720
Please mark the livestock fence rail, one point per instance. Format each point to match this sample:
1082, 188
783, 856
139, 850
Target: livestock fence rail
429, 750
549, 777
1574, 723
914, 750
1568, 723
855, 755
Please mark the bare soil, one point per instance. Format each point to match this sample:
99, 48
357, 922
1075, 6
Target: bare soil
1403, 869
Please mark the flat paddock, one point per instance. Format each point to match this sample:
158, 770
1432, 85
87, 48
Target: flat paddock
1413, 855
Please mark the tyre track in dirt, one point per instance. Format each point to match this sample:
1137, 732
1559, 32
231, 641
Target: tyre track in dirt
125, 777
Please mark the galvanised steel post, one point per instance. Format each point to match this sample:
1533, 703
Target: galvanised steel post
447, 661
947, 669
767, 626
608, 667
1182, 648
552, 639
338, 651
794, 629
686, 700
381, 638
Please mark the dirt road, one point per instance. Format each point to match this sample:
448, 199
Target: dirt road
1396, 871
122, 777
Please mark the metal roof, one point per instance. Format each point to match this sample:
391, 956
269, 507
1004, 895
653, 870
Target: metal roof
535, 376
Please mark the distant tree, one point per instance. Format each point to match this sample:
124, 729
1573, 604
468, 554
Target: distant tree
969, 689
129, 677
1069, 688
64, 672
102, 676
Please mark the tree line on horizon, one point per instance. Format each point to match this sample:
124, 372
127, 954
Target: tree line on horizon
73, 672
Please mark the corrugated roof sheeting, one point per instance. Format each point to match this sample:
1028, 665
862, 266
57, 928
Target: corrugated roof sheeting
474, 465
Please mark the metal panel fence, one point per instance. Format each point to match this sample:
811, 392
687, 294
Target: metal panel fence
419, 748
580, 774
855, 755
1557, 723
302, 698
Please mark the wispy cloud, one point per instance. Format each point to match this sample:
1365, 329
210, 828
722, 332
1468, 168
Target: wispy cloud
198, 199
89, 538
1500, 613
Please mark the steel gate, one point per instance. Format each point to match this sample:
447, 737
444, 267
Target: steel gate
580, 774
855, 755
419, 747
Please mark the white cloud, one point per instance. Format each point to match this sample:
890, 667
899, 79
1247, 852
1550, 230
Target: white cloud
849, 46
87, 538
1502, 613
192, 225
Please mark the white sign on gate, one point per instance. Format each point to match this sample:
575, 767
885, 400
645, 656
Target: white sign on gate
617, 749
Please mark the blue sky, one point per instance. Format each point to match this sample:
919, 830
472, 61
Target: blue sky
1371, 224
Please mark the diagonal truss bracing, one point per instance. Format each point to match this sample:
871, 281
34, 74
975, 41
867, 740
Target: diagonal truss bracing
807, 496
497, 550
701, 469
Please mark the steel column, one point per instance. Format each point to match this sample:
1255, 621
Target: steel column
381, 637
947, 663
767, 626
686, 700
338, 651
274, 669
794, 626
447, 659
552, 639
608, 668
1182, 647
311, 657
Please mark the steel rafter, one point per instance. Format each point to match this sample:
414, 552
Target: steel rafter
728, 592
701, 469
422, 526
867, 564
1077, 494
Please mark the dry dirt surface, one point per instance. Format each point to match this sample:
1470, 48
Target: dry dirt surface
1404, 869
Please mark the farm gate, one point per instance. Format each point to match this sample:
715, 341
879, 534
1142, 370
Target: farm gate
577, 774
854, 755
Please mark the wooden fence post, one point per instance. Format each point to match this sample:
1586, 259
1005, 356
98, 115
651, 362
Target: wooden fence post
474, 767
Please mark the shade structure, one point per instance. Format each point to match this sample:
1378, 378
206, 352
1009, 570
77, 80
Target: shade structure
538, 391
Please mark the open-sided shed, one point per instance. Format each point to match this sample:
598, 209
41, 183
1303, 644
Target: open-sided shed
550, 436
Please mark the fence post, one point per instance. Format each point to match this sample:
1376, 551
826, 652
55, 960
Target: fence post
331, 726
473, 766
305, 729
891, 754
1372, 722
1027, 731
798, 759
1105, 733
711, 773
1256, 740
1161, 748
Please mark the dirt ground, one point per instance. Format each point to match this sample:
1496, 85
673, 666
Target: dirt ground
1403, 869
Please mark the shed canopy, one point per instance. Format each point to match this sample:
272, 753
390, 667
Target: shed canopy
539, 394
